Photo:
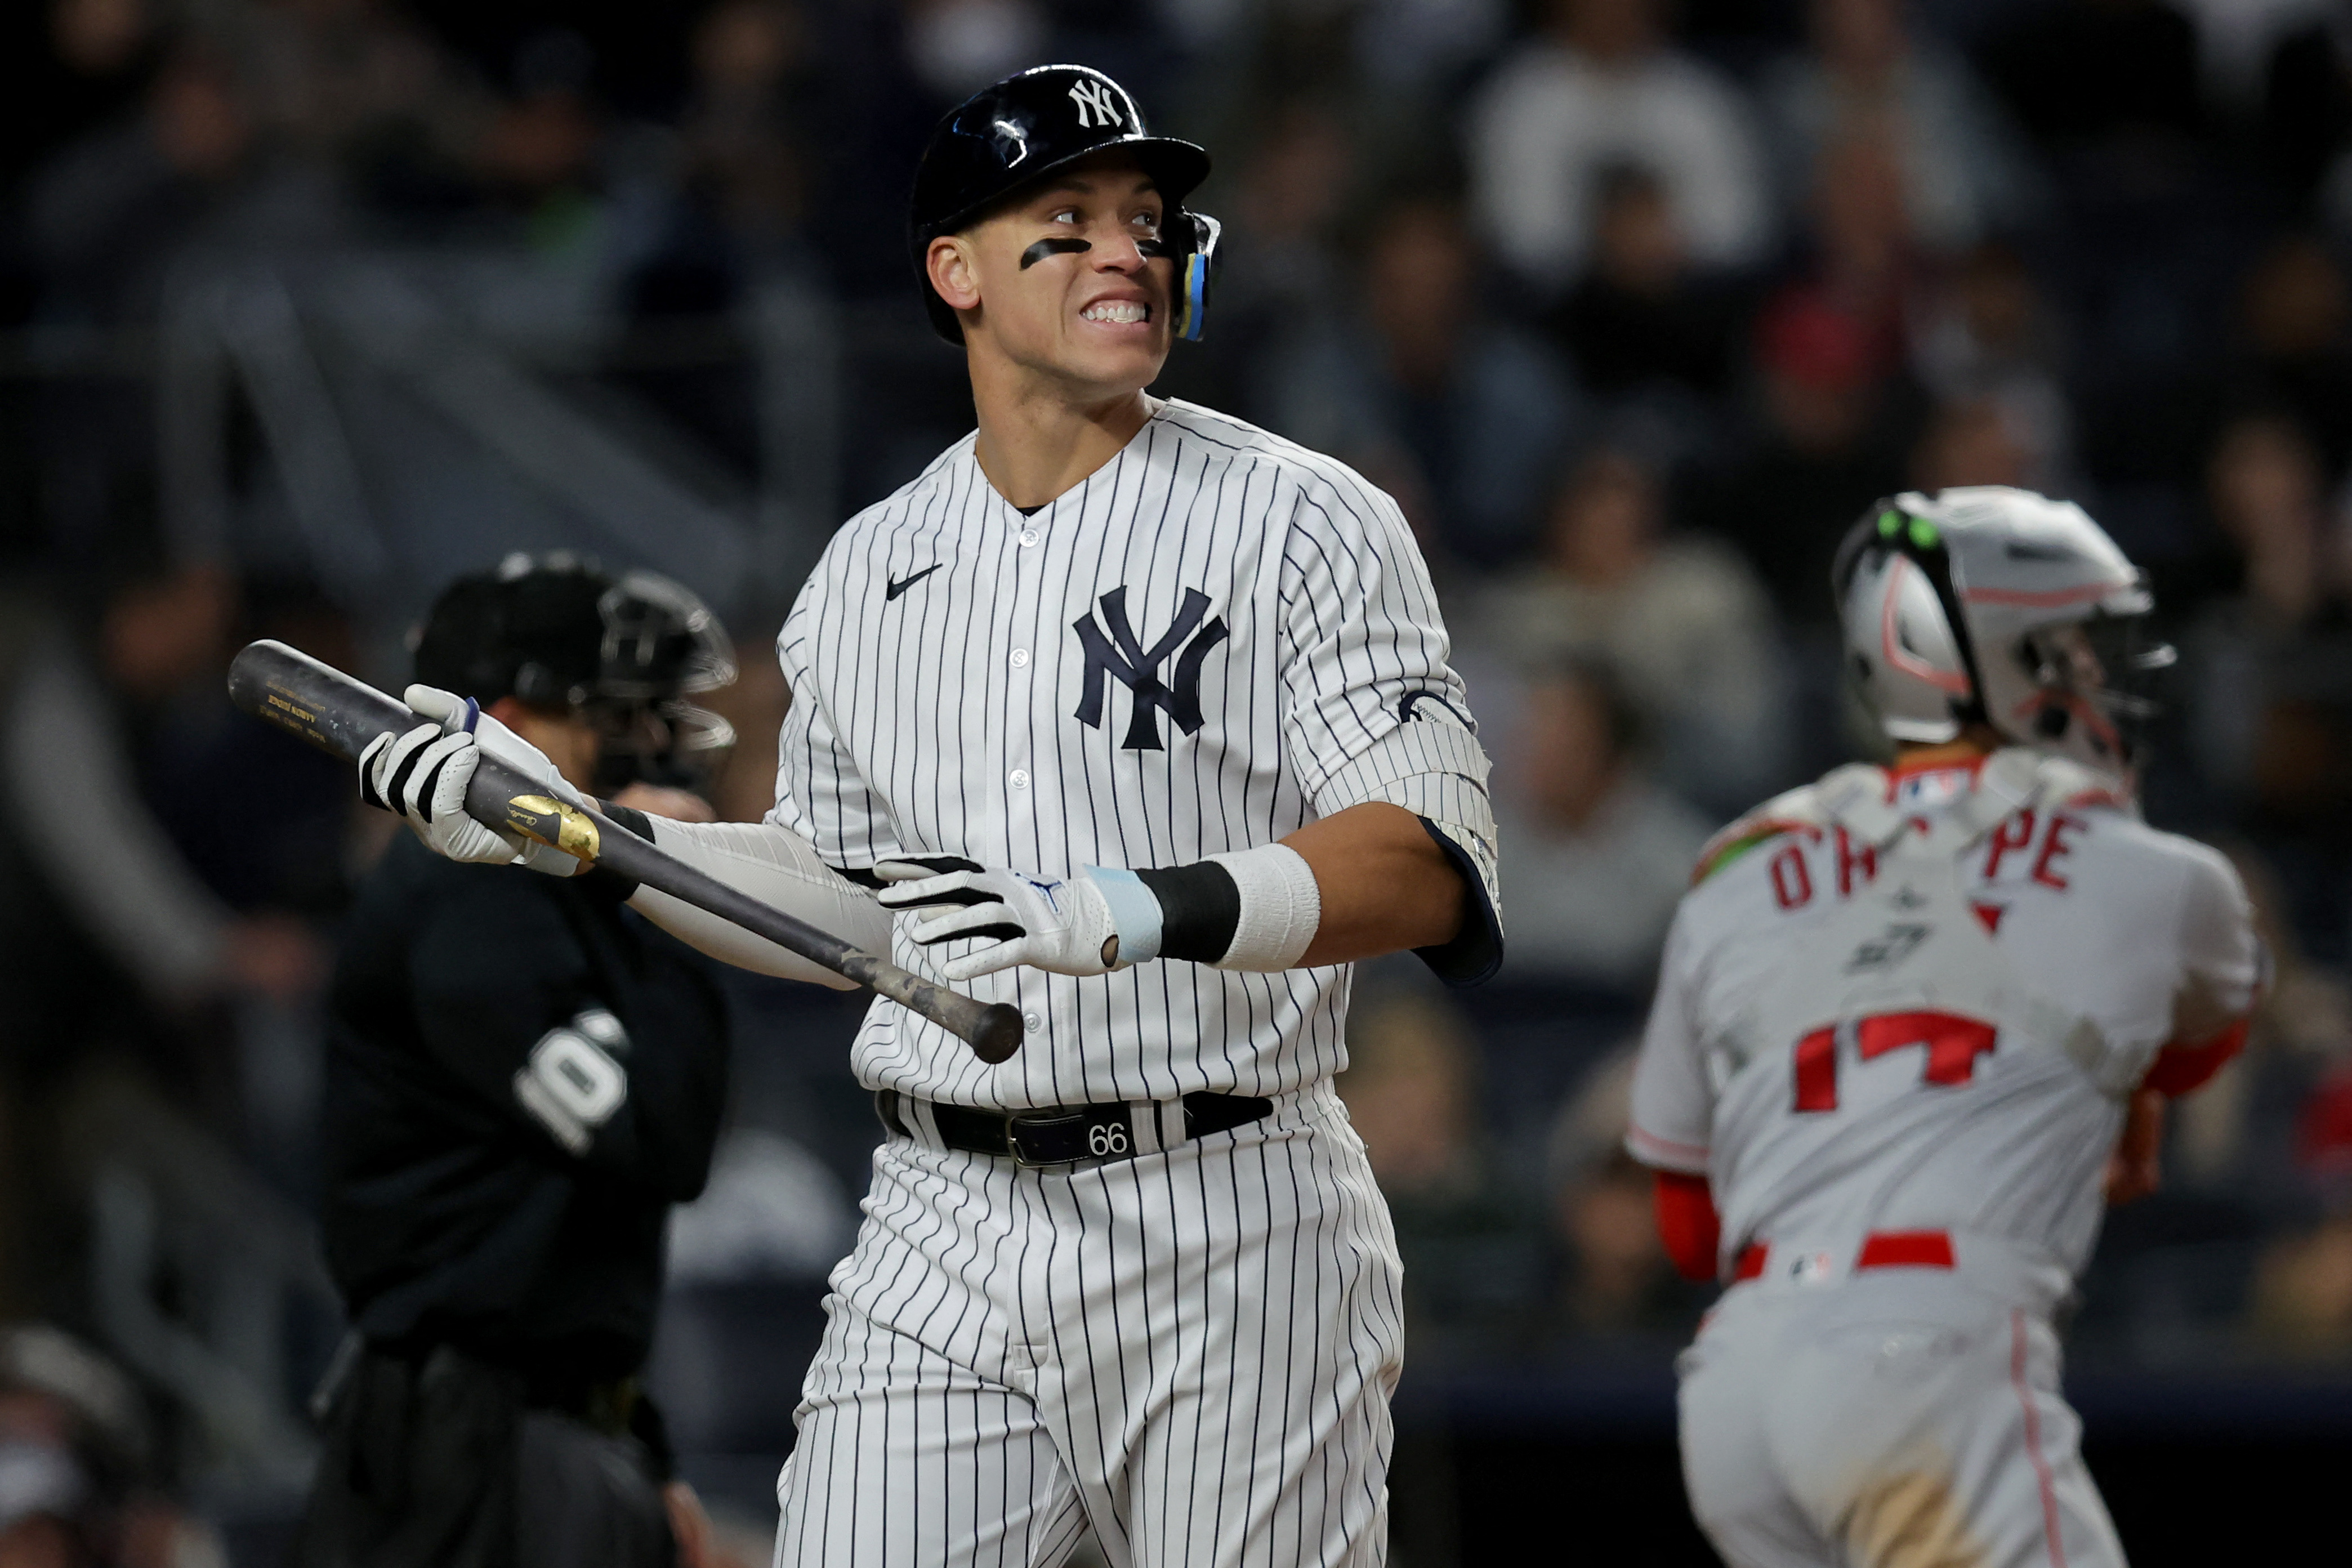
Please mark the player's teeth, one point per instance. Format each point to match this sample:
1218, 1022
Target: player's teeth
1115, 310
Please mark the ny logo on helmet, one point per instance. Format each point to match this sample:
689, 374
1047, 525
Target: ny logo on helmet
1095, 105
1113, 649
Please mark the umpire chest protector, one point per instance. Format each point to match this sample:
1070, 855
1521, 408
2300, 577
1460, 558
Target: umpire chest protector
1007, 137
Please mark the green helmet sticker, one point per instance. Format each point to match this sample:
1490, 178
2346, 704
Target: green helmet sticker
1890, 523
1923, 535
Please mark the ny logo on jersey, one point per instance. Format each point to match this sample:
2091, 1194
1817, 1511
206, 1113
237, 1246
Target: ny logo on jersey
1096, 106
1113, 649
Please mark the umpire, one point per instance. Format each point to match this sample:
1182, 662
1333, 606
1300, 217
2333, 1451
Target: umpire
522, 1078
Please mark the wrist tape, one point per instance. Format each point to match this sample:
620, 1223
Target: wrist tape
1254, 909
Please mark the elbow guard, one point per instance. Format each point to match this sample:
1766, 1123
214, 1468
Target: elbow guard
1437, 770
779, 868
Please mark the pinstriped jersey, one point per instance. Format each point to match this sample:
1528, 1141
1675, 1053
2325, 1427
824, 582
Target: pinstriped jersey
1181, 655
1855, 1033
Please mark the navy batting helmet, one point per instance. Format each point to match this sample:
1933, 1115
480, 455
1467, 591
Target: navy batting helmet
1006, 137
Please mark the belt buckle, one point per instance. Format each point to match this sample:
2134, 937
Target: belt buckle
1093, 1132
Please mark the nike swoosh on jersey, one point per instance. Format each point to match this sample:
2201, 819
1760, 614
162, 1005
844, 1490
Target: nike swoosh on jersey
893, 589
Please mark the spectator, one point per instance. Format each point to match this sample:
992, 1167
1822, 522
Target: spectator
2296, 308
1825, 448
742, 125
107, 214
1958, 175
1453, 412
958, 47
75, 1459
1988, 334
1599, 851
2307, 118
1599, 87
2272, 710
1411, 1093
2101, 74
1977, 441
1681, 619
67, 757
1283, 279
1864, 263
1644, 320
2302, 1304
1613, 1277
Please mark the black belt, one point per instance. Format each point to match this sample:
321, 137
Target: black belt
1065, 1134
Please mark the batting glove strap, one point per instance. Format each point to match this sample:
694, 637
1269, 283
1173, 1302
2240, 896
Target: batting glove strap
1135, 910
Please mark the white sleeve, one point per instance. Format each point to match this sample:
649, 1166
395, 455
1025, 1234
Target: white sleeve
2222, 964
1372, 709
822, 796
1674, 1107
779, 868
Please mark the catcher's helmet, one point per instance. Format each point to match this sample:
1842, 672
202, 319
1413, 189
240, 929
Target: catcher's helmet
561, 633
1006, 137
1992, 604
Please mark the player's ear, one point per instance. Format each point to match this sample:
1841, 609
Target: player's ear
949, 261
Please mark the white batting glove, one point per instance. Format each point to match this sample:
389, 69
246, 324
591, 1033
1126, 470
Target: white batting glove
463, 712
421, 775
1057, 924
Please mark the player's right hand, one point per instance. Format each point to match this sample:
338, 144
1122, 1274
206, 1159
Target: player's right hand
422, 774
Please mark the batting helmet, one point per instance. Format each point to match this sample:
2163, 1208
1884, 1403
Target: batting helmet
1006, 137
1988, 604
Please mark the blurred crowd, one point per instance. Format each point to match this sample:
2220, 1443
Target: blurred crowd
1635, 305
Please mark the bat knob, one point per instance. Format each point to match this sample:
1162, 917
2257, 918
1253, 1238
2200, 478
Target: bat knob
998, 1034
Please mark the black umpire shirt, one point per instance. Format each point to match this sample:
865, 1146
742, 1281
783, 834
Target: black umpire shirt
522, 1078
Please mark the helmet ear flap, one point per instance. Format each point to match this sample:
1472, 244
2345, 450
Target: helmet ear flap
1912, 658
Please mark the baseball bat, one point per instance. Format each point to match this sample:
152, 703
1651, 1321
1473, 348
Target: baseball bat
317, 703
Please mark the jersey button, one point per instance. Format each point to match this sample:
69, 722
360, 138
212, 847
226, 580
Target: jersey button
1028, 538
1031, 1022
1020, 779
1020, 658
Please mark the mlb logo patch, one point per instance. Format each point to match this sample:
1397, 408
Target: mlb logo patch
1925, 791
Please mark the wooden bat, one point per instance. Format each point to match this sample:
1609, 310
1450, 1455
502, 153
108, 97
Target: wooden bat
319, 704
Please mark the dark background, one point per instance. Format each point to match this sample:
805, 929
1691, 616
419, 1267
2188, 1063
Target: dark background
307, 306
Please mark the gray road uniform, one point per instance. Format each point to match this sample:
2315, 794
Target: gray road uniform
1897, 1035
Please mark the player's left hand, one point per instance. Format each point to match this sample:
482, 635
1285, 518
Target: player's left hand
1061, 923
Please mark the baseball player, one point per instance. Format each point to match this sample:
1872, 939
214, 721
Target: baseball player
1140, 720
1908, 1019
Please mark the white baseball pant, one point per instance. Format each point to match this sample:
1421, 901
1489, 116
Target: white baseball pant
1193, 1350
1902, 1419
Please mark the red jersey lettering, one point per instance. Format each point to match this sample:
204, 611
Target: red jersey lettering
2054, 848
2014, 833
1792, 884
1849, 860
